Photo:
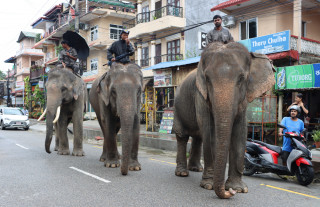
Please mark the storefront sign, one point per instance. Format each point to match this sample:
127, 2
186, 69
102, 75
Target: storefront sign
41, 83
19, 84
298, 77
166, 122
273, 43
162, 78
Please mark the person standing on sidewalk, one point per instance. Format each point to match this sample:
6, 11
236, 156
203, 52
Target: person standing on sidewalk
298, 101
219, 33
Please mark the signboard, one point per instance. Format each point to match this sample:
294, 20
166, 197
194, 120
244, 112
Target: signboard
162, 78
166, 122
298, 77
273, 43
19, 84
41, 84
202, 40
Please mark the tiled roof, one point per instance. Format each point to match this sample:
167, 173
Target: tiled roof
24, 34
228, 4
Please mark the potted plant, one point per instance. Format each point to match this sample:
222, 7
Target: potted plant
316, 137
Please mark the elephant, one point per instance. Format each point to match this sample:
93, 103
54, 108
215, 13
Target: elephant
210, 106
116, 97
66, 96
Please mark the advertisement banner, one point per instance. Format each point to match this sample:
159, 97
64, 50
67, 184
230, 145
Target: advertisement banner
298, 77
19, 84
162, 78
273, 43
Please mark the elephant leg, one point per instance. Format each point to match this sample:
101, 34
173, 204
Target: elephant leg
236, 156
56, 138
61, 130
195, 155
181, 169
134, 164
77, 119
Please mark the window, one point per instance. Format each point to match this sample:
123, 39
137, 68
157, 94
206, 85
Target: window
248, 29
94, 33
145, 15
115, 31
33, 63
94, 64
303, 29
145, 56
173, 50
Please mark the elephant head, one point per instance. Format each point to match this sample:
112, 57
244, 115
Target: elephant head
120, 90
229, 77
63, 87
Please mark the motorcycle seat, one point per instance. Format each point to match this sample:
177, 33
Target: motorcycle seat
269, 146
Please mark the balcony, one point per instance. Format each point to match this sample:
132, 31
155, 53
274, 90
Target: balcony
23, 71
308, 46
36, 72
29, 51
167, 58
167, 17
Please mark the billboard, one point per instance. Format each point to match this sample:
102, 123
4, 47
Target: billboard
298, 77
162, 78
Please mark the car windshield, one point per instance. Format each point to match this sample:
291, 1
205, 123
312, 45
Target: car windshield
13, 112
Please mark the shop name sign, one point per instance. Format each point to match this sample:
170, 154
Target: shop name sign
273, 43
298, 77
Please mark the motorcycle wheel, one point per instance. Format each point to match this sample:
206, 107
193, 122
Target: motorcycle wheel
249, 169
307, 175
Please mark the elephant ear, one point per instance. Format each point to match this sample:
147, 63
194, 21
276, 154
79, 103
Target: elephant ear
78, 88
261, 77
103, 88
201, 81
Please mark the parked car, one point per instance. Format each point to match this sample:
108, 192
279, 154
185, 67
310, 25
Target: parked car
13, 118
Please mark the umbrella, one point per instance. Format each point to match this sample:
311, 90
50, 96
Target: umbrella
77, 42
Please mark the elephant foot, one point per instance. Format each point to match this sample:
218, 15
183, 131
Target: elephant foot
181, 171
207, 183
64, 152
195, 167
134, 165
237, 185
78, 152
111, 163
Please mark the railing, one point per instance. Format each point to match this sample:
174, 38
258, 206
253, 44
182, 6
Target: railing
167, 58
36, 73
39, 62
145, 62
153, 15
307, 45
50, 56
28, 50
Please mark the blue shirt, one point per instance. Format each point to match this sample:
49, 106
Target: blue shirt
296, 126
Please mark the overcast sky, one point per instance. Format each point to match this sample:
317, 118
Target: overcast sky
17, 16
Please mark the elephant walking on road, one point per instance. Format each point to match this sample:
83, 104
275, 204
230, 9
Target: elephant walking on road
66, 96
116, 98
211, 105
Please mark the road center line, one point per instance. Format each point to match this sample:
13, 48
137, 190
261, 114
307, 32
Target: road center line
290, 191
21, 146
91, 175
163, 161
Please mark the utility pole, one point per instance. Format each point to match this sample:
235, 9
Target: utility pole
77, 20
8, 90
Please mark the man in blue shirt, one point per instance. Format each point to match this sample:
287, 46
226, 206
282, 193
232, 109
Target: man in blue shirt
293, 124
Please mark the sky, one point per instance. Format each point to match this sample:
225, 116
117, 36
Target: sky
17, 16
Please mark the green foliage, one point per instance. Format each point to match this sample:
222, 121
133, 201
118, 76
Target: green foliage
35, 67
58, 49
38, 37
193, 53
316, 135
38, 96
2, 75
28, 91
276, 92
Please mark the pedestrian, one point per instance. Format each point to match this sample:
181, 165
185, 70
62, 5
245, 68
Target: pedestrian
219, 33
292, 123
25, 111
298, 101
68, 56
121, 47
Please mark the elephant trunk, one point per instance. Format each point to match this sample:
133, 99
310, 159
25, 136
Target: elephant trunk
51, 111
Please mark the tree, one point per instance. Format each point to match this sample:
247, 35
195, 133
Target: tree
2, 75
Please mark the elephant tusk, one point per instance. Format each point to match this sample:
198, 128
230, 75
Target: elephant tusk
42, 115
57, 115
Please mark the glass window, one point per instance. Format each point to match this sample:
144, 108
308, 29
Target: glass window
145, 56
248, 29
94, 33
173, 50
303, 29
94, 64
115, 31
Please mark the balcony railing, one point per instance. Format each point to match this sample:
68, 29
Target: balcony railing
50, 56
36, 73
167, 58
307, 45
39, 62
145, 62
28, 50
153, 15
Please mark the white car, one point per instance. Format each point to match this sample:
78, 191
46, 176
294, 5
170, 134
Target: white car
13, 118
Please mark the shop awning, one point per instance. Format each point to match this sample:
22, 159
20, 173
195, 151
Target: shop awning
174, 63
281, 55
228, 4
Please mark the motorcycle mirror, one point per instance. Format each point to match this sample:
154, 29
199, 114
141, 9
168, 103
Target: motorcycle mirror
281, 126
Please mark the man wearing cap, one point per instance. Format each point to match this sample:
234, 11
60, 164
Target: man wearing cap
121, 47
219, 33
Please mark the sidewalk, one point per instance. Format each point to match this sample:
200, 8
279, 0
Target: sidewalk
92, 131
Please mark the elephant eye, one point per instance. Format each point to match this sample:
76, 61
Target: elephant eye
63, 89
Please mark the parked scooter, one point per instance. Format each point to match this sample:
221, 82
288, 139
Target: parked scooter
261, 157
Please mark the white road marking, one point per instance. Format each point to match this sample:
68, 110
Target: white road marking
21, 146
91, 175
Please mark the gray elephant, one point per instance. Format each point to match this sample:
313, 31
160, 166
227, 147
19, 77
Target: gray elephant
210, 106
66, 96
116, 97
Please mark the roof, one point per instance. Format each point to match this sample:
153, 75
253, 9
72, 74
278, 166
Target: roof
228, 4
38, 21
10, 60
174, 63
114, 3
24, 34
281, 55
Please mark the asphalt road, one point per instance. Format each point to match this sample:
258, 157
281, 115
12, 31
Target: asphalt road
31, 177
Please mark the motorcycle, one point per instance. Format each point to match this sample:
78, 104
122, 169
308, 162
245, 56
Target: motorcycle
261, 157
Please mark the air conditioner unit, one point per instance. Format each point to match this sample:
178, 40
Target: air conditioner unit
228, 21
